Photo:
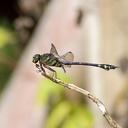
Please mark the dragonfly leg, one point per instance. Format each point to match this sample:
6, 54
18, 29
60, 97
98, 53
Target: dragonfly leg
55, 74
63, 68
40, 67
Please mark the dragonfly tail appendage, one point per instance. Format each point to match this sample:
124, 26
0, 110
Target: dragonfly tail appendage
107, 66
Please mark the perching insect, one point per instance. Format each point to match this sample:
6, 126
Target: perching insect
47, 60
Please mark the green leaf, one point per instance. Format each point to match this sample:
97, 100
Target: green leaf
81, 118
58, 115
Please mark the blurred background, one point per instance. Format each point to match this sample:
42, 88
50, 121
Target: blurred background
94, 30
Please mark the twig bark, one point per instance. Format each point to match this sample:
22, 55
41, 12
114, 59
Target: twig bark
100, 105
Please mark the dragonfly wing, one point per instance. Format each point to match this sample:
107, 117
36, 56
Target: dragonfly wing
67, 57
53, 50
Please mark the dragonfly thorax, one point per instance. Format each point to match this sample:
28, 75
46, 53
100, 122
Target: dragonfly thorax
50, 60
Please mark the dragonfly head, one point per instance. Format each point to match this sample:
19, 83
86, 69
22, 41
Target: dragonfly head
36, 58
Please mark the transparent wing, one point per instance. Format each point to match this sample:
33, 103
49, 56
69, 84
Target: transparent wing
68, 56
53, 50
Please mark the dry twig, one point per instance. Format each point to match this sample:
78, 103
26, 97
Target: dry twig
100, 105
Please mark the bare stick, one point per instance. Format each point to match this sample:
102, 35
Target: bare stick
100, 105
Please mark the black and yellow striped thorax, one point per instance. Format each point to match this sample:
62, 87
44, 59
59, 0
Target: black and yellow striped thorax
50, 60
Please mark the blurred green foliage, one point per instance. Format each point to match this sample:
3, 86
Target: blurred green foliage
62, 111
10, 50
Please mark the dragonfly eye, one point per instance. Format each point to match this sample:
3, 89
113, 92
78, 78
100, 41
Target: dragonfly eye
36, 58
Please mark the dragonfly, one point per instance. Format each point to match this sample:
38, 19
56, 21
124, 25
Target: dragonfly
47, 60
